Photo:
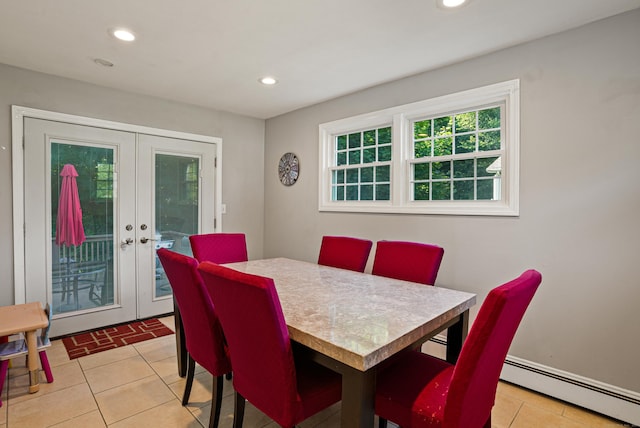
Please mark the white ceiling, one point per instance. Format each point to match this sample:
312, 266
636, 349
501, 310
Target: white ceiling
211, 52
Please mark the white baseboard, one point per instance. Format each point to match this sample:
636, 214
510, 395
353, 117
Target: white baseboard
599, 397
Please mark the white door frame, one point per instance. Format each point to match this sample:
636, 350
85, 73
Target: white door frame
18, 114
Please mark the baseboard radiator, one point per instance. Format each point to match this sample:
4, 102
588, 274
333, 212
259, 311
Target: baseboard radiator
609, 400
599, 397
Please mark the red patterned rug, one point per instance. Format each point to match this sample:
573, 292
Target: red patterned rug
96, 341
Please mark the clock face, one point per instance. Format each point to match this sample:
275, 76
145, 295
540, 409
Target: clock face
288, 169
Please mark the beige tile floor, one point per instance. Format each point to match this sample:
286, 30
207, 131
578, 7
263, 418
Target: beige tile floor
138, 386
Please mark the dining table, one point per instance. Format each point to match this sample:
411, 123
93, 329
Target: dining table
355, 323
25, 318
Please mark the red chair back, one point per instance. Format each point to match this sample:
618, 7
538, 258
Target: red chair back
419, 390
258, 339
202, 330
475, 376
344, 252
408, 261
219, 247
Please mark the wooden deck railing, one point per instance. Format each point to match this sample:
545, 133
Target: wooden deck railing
95, 248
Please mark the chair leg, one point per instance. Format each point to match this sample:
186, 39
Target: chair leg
382, 423
488, 423
44, 361
216, 401
238, 411
191, 369
4, 366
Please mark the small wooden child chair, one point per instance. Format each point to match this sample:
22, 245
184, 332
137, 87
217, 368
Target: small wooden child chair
16, 348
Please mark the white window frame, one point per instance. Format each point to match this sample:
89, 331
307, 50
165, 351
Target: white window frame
507, 94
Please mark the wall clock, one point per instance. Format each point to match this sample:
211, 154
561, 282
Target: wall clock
288, 169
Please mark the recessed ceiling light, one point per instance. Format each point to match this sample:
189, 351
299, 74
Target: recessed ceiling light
268, 80
123, 34
450, 3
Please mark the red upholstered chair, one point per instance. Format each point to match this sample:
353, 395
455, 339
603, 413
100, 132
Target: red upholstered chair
202, 331
344, 252
422, 391
408, 261
219, 247
265, 372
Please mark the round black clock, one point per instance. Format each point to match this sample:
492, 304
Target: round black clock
288, 169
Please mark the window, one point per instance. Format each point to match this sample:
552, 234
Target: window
191, 181
104, 181
455, 154
363, 166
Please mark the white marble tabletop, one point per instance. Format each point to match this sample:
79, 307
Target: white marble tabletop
356, 318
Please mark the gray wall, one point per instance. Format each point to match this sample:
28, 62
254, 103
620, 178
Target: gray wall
579, 195
243, 147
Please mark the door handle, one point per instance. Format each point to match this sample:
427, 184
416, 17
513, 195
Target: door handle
144, 240
126, 242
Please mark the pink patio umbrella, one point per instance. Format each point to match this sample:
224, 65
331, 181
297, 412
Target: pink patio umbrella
69, 229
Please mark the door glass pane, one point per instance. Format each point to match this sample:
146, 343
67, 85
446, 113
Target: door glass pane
82, 213
177, 206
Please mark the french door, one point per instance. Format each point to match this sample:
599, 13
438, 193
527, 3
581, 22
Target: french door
175, 187
136, 193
